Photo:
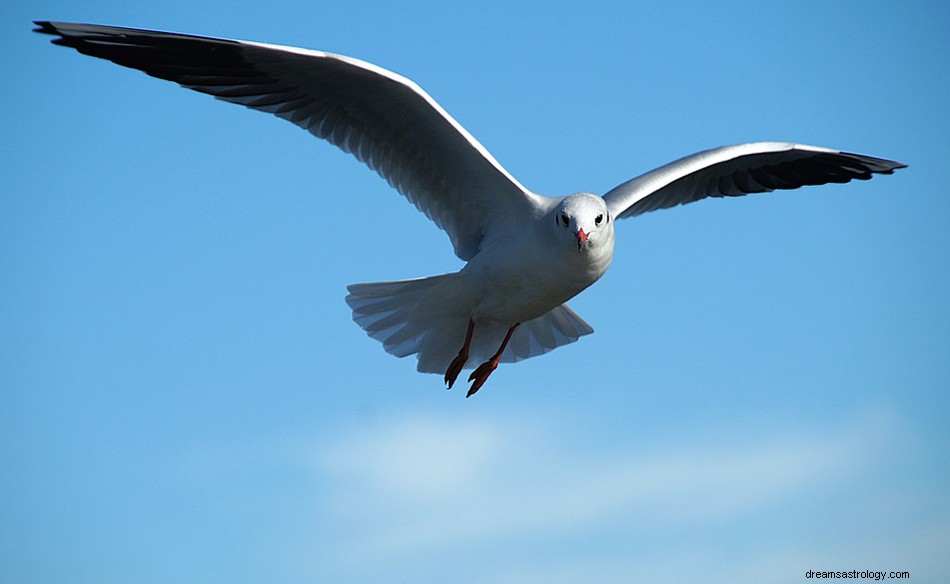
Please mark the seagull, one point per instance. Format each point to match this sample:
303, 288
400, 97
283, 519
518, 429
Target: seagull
525, 254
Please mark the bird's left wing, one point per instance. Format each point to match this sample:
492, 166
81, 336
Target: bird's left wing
383, 119
733, 171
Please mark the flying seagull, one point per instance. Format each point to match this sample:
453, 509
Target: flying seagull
526, 254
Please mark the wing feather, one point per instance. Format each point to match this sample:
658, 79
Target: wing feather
383, 119
734, 171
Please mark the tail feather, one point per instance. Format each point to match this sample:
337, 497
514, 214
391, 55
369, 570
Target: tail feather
557, 327
428, 317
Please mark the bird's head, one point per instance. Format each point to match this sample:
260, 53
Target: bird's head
583, 219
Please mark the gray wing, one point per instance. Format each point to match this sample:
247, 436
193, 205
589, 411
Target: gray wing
383, 119
733, 171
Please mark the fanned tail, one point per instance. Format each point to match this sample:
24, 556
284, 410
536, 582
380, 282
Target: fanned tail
428, 317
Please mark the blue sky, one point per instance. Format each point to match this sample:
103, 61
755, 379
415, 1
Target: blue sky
185, 398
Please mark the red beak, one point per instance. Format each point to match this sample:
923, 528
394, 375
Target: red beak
581, 238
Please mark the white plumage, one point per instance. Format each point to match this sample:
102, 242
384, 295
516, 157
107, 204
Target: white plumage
526, 254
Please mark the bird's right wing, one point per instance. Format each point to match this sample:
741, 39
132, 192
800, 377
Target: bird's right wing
383, 119
733, 171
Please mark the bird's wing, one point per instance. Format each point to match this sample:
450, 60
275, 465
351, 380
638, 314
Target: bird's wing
733, 171
383, 119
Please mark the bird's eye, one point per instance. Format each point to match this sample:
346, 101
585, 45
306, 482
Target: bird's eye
564, 220
599, 219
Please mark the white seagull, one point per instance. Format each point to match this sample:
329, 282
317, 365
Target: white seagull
526, 254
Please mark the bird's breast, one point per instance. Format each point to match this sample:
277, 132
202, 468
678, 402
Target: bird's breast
518, 281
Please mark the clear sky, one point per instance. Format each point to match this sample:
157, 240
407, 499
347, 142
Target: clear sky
184, 398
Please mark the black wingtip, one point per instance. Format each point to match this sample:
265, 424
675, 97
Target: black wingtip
890, 166
877, 165
44, 27
50, 28
47, 27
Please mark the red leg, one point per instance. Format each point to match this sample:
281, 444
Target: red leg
455, 367
480, 375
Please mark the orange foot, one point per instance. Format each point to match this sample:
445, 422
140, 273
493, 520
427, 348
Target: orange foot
455, 367
480, 375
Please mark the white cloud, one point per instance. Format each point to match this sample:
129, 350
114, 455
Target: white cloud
421, 458
423, 483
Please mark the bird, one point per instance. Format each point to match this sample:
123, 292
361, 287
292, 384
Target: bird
525, 254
